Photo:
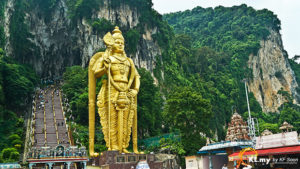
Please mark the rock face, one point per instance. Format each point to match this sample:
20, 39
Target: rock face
271, 72
9, 8
61, 43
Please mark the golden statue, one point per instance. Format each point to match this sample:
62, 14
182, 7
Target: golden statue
117, 99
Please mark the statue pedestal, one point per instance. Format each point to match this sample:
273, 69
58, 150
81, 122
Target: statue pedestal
115, 160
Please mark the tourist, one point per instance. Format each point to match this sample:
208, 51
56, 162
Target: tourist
224, 166
248, 167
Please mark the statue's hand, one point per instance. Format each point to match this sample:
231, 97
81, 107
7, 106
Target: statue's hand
107, 61
132, 93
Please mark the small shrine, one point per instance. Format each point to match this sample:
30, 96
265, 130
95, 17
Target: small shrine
266, 132
285, 127
237, 129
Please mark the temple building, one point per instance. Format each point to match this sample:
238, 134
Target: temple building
280, 150
215, 155
237, 129
286, 127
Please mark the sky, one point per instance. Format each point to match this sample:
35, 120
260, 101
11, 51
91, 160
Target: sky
288, 11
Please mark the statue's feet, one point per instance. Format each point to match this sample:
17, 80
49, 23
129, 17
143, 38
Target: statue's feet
138, 152
94, 154
125, 151
114, 148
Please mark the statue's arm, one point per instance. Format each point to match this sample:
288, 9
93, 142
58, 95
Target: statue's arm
98, 68
136, 82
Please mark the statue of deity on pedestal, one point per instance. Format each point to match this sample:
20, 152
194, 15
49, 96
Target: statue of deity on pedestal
117, 99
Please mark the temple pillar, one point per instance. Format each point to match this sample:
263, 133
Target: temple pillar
30, 165
68, 165
50, 165
84, 164
210, 161
234, 162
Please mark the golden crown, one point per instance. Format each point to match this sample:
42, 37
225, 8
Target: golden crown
117, 34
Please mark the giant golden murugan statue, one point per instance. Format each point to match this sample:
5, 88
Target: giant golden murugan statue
117, 99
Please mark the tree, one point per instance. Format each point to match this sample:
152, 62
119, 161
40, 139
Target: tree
75, 81
187, 111
149, 106
75, 88
173, 147
274, 128
10, 155
291, 114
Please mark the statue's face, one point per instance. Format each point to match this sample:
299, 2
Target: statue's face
118, 46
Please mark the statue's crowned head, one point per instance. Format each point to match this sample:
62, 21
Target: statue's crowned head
115, 41
117, 34
118, 45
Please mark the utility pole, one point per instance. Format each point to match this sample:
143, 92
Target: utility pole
251, 123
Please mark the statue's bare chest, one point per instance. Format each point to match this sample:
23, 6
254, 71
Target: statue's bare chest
120, 67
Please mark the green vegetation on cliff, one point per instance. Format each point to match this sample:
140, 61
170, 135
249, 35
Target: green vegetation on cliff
82, 8
215, 35
296, 68
16, 86
235, 32
227, 36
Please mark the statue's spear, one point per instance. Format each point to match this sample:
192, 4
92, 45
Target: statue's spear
109, 41
109, 148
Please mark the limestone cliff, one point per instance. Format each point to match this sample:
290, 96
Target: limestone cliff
271, 72
60, 43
